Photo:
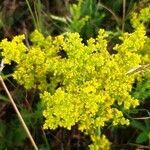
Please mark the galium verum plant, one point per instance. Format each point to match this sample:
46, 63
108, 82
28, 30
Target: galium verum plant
80, 84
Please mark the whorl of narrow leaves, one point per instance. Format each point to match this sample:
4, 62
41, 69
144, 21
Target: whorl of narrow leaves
79, 84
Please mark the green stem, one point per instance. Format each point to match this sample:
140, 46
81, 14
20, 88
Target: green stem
108, 9
124, 13
31, 12
45, 139
98, 131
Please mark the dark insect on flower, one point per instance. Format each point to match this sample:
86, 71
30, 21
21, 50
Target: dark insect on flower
48, 76
63, 54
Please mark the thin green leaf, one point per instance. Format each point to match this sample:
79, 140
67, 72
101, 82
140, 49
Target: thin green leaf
57, 18
138, 125
142, 137
3, 98
147, 123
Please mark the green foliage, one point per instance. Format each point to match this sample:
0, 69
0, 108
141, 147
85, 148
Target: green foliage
144, 128
78, 21
142, 89
3, 98
37, 16
1, 20
85, 18
14, 132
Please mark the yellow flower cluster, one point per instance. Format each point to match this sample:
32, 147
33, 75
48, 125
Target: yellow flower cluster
79, 84
138, 21
14, 49
99, 143
142, 17
143, 79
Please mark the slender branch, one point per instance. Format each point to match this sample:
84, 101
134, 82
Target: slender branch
139, 146
108, 9
142, 118
124, 13
98, 131
31, 12
18, 113
139, 68
1, 65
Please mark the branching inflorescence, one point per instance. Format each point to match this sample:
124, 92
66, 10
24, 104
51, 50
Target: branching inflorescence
80, 84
